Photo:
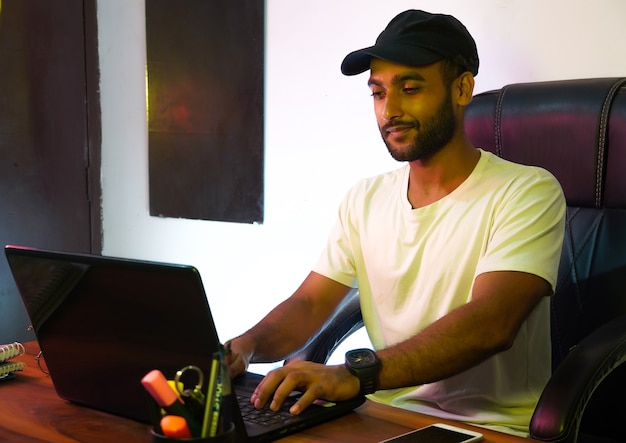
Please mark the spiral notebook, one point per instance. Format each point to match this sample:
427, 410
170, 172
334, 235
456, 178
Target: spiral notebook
8, 368
103, 323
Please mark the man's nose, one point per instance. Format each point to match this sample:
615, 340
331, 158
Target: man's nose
391, 108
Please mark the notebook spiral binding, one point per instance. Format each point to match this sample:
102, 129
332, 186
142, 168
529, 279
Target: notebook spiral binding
11, 350
7, 352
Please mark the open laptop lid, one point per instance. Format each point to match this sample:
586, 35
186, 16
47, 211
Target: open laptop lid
103, 323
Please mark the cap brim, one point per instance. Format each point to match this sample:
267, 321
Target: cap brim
359, 61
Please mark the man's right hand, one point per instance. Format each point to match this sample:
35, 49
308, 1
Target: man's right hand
237, 358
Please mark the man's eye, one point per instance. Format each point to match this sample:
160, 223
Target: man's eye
378, 94
410, 91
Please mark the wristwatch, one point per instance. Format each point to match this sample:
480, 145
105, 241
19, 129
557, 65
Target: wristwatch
364, 364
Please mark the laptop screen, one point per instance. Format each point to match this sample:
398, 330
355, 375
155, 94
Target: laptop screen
103, 323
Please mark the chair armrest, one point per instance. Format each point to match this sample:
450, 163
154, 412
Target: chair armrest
560, 409
345, 320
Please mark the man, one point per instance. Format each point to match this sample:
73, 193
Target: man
455, 254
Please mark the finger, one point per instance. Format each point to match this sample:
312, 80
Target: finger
236, 366
305, 400
228, 352
265, 389
286, 388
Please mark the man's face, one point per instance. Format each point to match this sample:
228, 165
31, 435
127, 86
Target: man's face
413, 109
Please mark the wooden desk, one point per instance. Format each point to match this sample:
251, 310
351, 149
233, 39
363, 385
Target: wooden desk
31, 411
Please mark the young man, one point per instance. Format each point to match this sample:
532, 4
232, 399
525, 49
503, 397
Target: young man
455, 254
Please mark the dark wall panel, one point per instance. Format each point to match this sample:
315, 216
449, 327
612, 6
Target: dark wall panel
205, 108
44, 194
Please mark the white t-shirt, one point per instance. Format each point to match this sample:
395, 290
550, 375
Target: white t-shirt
413, 266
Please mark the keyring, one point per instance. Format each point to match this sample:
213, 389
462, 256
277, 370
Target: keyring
180, 373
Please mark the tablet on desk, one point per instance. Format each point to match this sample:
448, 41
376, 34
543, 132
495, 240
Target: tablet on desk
437, 433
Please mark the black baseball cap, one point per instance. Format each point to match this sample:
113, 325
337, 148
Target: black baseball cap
418, 38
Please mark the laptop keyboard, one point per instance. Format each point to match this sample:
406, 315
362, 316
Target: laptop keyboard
264, 416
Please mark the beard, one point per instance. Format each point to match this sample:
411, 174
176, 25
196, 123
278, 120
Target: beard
432, 135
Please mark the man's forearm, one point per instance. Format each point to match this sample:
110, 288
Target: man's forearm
467, 335
443, 349
285, 330
290, 325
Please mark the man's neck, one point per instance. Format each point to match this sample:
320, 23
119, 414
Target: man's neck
432, 179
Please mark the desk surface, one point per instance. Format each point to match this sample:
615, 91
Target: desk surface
31, 411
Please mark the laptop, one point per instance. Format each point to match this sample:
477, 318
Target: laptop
103, 323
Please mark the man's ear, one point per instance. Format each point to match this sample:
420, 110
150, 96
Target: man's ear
465, 88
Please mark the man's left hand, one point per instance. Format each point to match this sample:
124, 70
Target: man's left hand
314, 380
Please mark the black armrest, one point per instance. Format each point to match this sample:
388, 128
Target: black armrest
560, 409
346, 319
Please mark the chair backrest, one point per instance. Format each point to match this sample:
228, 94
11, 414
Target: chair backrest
576, 129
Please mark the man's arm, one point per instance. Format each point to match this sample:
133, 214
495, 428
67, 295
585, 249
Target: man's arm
488, 324
289, 326
468, 335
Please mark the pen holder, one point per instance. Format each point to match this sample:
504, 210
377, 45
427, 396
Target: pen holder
229, 436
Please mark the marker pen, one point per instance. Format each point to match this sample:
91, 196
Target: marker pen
174, 426
156, 384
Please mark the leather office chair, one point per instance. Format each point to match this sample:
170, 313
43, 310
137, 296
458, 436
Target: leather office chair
577, 130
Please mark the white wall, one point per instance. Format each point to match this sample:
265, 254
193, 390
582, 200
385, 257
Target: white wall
320, 130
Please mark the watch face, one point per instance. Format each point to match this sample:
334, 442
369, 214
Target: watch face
361, 358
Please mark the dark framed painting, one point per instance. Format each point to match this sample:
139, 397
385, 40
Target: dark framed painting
205, 109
